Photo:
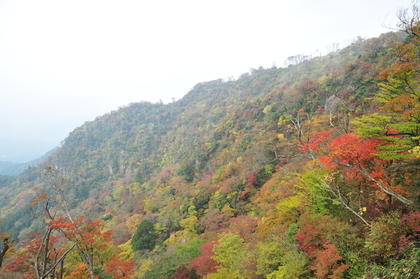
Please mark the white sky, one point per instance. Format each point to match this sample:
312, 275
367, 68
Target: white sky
66, 62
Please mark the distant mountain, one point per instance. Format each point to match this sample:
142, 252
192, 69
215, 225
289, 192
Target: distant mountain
11, 168
22, 150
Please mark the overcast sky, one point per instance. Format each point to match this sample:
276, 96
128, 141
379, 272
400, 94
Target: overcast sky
66, 62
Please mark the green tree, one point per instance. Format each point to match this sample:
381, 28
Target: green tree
231, 254
294, 265
145, 236
398, 119
280, 259
406, 268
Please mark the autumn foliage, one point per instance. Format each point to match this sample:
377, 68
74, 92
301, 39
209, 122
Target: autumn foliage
309, 171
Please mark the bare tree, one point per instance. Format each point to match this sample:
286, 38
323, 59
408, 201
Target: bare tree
409, 20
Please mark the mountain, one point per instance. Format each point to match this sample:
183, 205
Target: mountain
12, 168
308, 171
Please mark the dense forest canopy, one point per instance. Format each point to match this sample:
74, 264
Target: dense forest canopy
307, 171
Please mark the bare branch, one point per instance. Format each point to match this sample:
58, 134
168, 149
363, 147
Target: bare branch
409, 20
379, 184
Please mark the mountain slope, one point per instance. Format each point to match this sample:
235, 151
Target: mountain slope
244, 164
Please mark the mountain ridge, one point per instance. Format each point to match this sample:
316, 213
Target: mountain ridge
229, 96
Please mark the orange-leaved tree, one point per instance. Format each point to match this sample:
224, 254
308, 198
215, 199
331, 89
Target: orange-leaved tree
68, 247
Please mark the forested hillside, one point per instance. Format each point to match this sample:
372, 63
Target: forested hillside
308, 171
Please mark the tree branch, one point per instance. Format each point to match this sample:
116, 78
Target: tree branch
379, 184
